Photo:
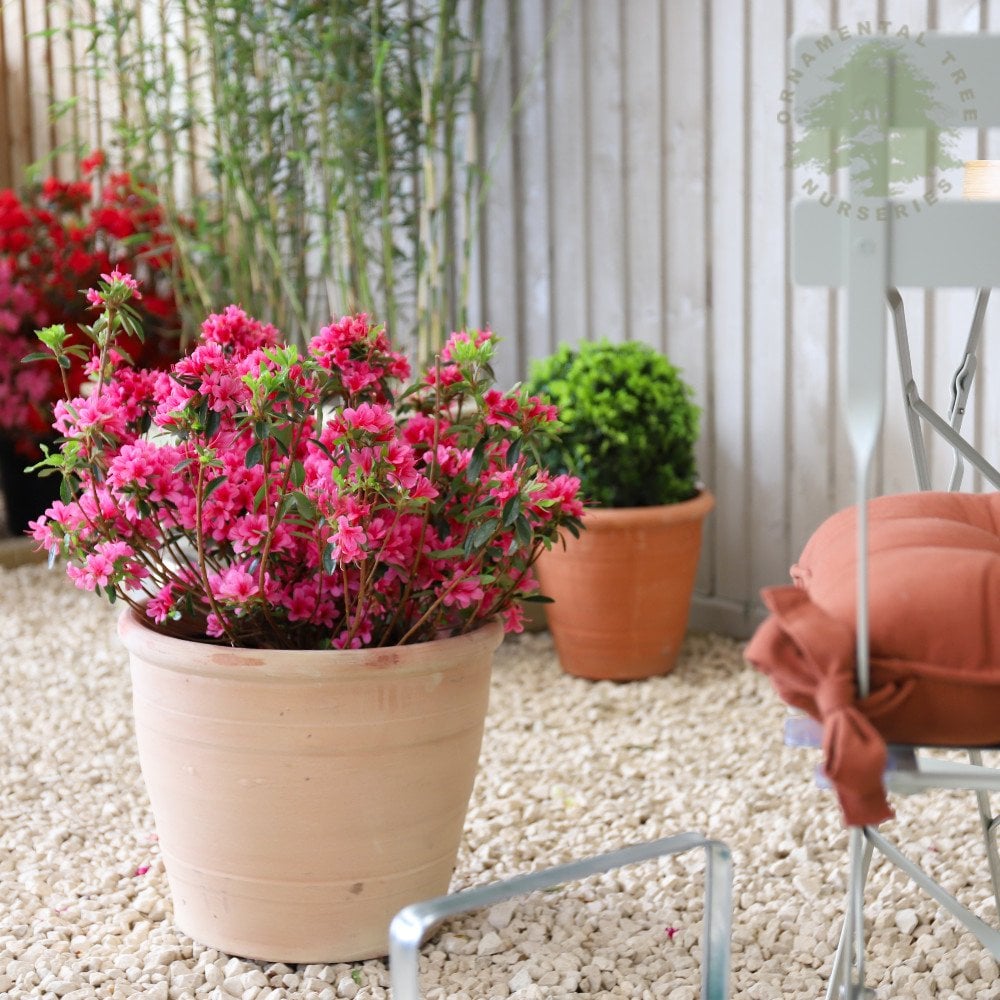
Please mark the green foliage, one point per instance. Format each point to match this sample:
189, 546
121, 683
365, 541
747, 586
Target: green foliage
629, 425
328, 145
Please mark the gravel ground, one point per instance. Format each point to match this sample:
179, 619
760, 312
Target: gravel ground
569, 768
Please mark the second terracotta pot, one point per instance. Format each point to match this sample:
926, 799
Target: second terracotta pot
622, 590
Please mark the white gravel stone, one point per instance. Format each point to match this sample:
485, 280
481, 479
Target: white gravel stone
906, 920
500, 915
347, 988
569, 768
521, 980
491, 944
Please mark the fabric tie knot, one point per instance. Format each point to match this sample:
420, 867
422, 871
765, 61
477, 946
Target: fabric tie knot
834, 693
810, 658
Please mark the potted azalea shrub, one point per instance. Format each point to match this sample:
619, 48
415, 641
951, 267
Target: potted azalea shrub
57, 238
622, 590
317, 563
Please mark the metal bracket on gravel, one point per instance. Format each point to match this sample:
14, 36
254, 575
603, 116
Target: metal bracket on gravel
413, 925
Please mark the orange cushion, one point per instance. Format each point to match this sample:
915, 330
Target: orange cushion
934, 600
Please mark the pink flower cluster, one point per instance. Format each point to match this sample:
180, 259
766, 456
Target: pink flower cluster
259, 496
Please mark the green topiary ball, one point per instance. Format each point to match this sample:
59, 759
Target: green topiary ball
629, 425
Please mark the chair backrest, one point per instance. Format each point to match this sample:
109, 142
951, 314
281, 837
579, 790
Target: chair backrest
868, 241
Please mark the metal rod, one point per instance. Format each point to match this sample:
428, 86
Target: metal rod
989, 937
910, 390
961, 384
841, 972
986, 821
414, 923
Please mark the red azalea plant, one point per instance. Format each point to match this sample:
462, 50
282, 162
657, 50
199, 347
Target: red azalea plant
54, 242
260, 497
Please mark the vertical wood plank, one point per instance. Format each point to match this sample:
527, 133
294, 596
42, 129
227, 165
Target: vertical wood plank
565, 156
812, 390
498, 247
728, 234
683, 336
532, 328
645, 40
18, 105
95, 104
685, 266
63, 127
6, 78
605, 242
766, 460
36, 60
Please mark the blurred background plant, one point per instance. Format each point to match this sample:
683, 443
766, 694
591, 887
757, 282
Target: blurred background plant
315, 157
56, 237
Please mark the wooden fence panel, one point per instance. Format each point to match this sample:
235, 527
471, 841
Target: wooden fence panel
640, 191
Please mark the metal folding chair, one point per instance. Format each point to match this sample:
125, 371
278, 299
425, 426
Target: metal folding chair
954, 244
414, 924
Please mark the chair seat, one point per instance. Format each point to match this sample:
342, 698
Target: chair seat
934, 603
907, 771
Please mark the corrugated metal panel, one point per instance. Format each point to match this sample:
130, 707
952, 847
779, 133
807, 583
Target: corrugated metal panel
641, 193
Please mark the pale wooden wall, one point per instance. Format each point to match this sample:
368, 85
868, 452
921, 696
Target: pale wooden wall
644, 196
641, 193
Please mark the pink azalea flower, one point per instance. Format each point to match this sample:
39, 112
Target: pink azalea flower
235, 584
348, 541
358, 499
463, 593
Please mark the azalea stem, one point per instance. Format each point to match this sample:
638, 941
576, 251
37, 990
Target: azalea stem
447, 590
199, 498
412, 575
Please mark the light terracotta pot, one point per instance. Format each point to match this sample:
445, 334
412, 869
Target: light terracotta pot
302, 798
622, 590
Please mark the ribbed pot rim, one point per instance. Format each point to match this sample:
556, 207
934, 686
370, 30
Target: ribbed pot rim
206, 659
598, 518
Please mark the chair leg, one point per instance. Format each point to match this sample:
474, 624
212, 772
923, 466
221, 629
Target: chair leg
987, 935
989, 822
412, 924
847, 976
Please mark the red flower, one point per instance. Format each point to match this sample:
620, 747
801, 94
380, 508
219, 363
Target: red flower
118, 223
79, 262
91, 163
53, 242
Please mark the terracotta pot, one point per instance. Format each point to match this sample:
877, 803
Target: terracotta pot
622, 590
302, 798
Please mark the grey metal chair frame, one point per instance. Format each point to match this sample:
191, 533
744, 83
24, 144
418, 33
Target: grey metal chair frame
955, 244
414, 924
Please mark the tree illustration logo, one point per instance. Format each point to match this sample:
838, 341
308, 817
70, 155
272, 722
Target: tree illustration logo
845, 129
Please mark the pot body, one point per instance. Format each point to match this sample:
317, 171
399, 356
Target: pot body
302, 798
622, 590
